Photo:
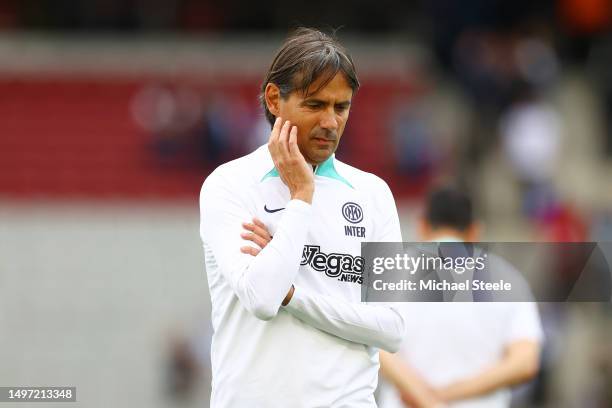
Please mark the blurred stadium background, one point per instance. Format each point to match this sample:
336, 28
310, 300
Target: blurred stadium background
112, 113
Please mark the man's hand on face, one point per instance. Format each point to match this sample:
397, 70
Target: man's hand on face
289, 161
260, 236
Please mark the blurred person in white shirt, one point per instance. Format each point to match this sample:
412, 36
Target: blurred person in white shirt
460, 354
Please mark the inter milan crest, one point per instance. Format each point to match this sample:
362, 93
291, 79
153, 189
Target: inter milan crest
352, 212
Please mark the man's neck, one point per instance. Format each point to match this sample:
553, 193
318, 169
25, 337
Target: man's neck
446, 235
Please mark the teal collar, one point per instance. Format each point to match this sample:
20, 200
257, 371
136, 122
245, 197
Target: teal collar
325, 169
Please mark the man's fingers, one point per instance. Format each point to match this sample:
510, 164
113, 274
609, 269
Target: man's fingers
294, 150
293, 147
259, 223
284, 138
273, 141
259, 235
249, 250
249, 236
276, 129
279, 142
258, 228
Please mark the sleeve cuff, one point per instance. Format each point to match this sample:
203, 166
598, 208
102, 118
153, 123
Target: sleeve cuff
296, 299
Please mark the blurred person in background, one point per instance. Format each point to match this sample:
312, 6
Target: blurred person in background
460, 354
414, 141
531, 141
187, 370
289, 325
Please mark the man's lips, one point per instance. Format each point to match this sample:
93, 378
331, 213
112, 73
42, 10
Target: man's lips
321, 140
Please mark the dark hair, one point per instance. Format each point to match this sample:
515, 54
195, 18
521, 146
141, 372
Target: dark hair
305, 56
449, 207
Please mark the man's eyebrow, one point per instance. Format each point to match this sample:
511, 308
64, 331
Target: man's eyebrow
322, 102
313, 100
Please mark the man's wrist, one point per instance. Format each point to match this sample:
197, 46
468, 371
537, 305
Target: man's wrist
304, 195
289, 296
451, 391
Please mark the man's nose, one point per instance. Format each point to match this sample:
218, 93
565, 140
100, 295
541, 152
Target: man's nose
329, 120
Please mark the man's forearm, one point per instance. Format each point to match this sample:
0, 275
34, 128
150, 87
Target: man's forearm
376, 326
519, 364
264, 284
413, 389
260, 282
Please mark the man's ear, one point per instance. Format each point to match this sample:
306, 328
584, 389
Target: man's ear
272, 96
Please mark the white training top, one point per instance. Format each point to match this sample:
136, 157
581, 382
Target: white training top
321, 350
452, 341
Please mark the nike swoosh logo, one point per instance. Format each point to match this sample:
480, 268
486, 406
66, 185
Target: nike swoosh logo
274, 210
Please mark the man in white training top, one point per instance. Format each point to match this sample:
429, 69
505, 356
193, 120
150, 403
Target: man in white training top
289, 327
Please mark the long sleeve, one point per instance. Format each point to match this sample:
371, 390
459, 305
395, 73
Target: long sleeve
372, 325
262, 282
378, 325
